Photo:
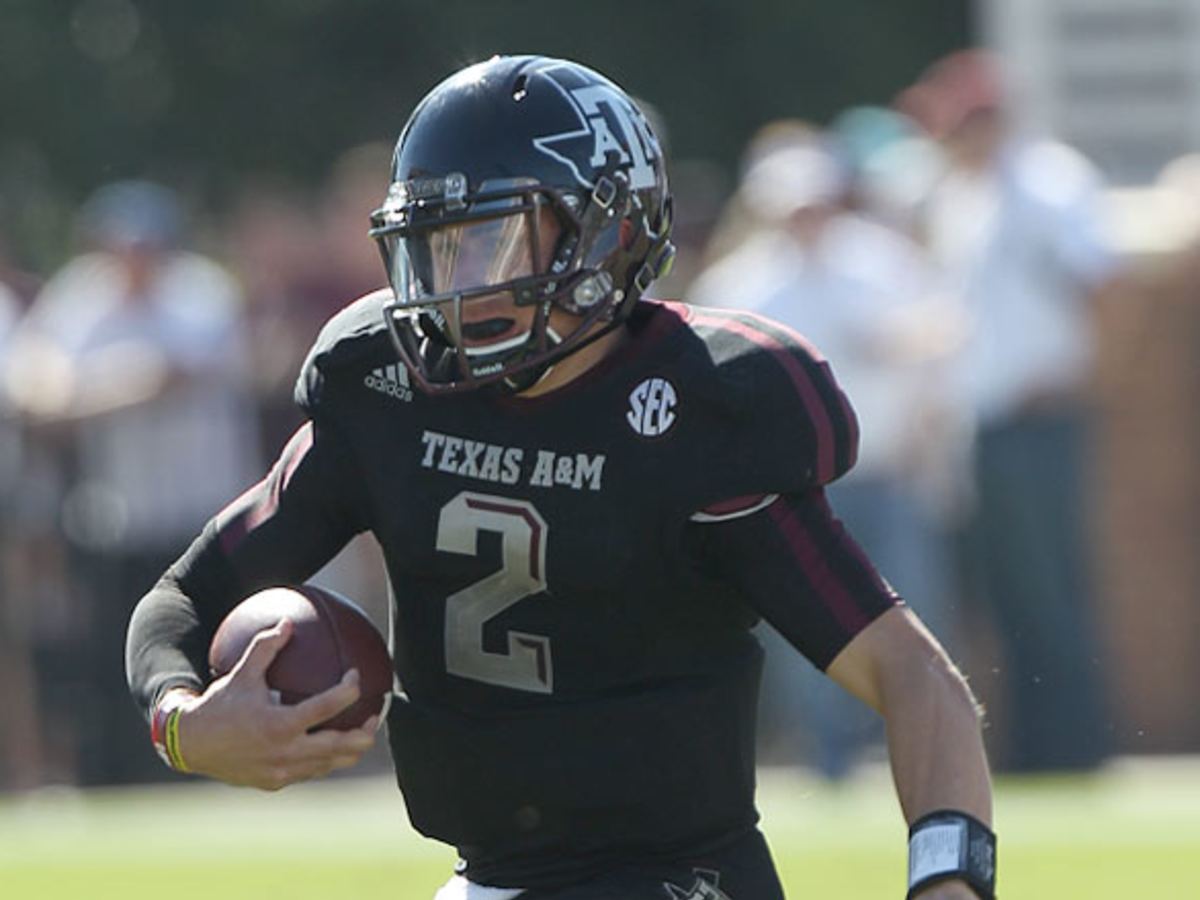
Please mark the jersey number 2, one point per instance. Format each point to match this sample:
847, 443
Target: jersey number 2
526, 666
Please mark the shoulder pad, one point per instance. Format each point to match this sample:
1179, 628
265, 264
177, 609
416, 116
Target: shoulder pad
795, 412
355, 334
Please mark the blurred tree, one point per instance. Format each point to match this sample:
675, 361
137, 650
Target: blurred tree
198, 93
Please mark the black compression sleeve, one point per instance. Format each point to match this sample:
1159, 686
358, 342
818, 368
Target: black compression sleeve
281, 531
167, 642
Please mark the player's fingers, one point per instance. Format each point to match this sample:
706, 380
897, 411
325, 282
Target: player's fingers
318, 708
313, 757
326, 744
344, 762
273, 778
308, 769
263, 649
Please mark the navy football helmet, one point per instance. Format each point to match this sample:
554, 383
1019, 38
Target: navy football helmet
528, 211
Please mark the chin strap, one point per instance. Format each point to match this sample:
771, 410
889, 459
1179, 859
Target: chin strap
523, 381
527, 378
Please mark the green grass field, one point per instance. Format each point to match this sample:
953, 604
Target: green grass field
1131, 831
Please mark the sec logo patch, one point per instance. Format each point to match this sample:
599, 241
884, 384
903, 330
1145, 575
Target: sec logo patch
652, 407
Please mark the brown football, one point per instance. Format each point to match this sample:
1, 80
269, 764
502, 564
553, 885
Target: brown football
331, 635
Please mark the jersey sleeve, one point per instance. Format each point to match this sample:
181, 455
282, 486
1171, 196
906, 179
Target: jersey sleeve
795, 565
281, 531
791, 427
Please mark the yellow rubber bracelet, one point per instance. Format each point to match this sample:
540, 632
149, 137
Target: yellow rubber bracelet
174, 757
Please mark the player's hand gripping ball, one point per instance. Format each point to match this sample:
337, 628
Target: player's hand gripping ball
331, 635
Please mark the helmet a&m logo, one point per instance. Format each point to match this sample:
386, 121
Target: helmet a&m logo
652, 407
608, 123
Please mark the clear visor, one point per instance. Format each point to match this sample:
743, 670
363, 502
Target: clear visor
469, 258
478, 254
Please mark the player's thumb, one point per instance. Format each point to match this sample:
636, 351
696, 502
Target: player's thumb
263, 649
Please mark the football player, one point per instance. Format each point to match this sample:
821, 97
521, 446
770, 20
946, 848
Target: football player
585, 500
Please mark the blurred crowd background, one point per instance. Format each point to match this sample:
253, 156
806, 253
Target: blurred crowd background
986, 215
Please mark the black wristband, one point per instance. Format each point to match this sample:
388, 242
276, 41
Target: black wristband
951, 844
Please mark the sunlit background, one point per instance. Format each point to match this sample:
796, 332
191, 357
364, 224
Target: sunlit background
841, 162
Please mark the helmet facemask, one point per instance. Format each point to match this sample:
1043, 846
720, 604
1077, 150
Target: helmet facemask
500, 283
490, 162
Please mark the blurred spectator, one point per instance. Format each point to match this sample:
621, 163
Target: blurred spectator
18, 285
273, 242
892, 163
20, 744
10, 306
300, 258
1015, 226
737, 223
10, 311
350, 261
864, 296
1183, 175
130, 369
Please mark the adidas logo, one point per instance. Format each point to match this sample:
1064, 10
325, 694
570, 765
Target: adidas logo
391, 380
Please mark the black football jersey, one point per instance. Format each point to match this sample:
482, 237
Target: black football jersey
574, 575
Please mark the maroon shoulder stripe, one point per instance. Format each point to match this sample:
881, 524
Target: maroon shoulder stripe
818, 414
834, 397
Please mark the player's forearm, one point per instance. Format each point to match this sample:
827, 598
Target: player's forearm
934, 740
165, 644
898, 668
167, 641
